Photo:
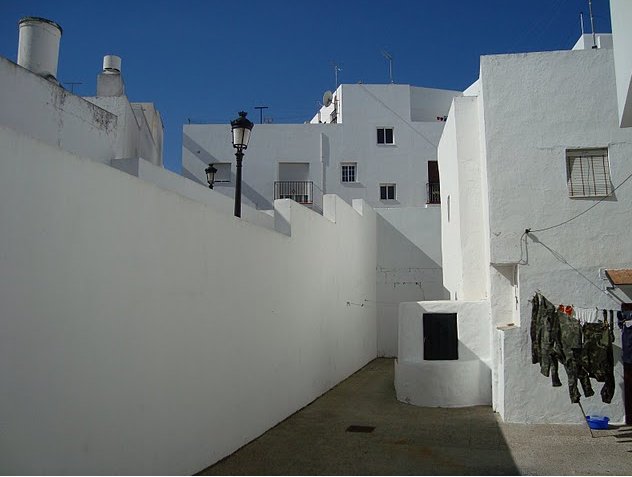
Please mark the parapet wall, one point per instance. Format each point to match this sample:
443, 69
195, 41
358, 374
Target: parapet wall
144, 332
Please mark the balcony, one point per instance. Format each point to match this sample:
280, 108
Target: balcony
301, 192
433, 195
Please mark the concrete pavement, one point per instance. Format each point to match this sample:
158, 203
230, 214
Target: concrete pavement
409, 440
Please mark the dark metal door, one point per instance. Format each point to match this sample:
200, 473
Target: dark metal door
440, 336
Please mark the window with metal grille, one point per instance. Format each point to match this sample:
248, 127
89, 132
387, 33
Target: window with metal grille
387, 191
348, 171
385, 135
588, 173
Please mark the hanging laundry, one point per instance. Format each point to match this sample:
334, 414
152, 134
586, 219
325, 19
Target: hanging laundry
586, 315
569, 350
544, 328
624, 321
579, 339
597, 357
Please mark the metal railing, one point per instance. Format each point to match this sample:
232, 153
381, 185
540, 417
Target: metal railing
299, 191
433, 195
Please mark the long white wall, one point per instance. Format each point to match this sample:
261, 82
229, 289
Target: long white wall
143, 332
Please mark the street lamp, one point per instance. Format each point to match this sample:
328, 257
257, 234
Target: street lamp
241, 128
210, 175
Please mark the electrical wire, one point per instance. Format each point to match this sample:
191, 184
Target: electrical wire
581, 213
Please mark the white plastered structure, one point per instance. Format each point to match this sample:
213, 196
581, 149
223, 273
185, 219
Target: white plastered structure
409, 249
502, 161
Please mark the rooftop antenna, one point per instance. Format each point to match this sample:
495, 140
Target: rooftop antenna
389, 57
592, 24
581, 22
261, 108
336, 69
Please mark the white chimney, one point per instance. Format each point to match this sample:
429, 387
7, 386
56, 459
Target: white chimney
111, 64
38, 48
110, 80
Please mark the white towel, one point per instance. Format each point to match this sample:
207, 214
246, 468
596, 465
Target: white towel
586, 315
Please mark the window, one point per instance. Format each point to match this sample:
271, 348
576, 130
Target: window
223, 172
348, 171
441, 340
387, 191
588, 173
385, 135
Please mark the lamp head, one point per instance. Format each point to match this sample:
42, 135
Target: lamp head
241, 128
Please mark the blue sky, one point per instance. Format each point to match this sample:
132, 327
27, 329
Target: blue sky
205, 60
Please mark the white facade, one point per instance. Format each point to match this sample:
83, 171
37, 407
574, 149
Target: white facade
343, 134
503, 167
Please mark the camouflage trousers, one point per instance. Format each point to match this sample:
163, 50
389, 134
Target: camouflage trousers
568, 349
597, 358
544, 329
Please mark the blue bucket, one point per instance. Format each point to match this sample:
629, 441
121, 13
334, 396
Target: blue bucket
597, 422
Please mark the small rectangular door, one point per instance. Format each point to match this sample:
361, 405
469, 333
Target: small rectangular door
440, 336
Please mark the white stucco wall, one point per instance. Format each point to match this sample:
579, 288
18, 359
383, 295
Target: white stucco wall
408, 266
463, 236
325, 146
47, 112
445, 383
621, 17
409, 239
535, 107
143, 332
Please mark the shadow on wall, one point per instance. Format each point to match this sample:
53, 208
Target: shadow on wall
205, 158
405, 273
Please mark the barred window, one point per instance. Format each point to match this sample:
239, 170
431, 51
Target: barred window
348, 171
588, 173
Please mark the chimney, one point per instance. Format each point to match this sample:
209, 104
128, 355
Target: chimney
110, 81
38, 47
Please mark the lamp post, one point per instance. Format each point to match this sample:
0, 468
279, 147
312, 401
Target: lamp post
210, 175
241, 128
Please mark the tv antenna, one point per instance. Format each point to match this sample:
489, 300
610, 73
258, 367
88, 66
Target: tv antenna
261, 108
389, 57
592, 24
337, 68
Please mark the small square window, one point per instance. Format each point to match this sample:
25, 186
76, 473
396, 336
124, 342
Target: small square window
223, 171
385, 135
387, 191
348, 172
588, 173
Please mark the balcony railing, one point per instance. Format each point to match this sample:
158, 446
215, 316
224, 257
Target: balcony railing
299, 191
433, 195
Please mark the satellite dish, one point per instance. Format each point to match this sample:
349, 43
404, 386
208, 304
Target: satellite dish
327, 98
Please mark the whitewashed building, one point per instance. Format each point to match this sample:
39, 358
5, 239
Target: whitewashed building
118, 129
372, 142
142, 329
526, 152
